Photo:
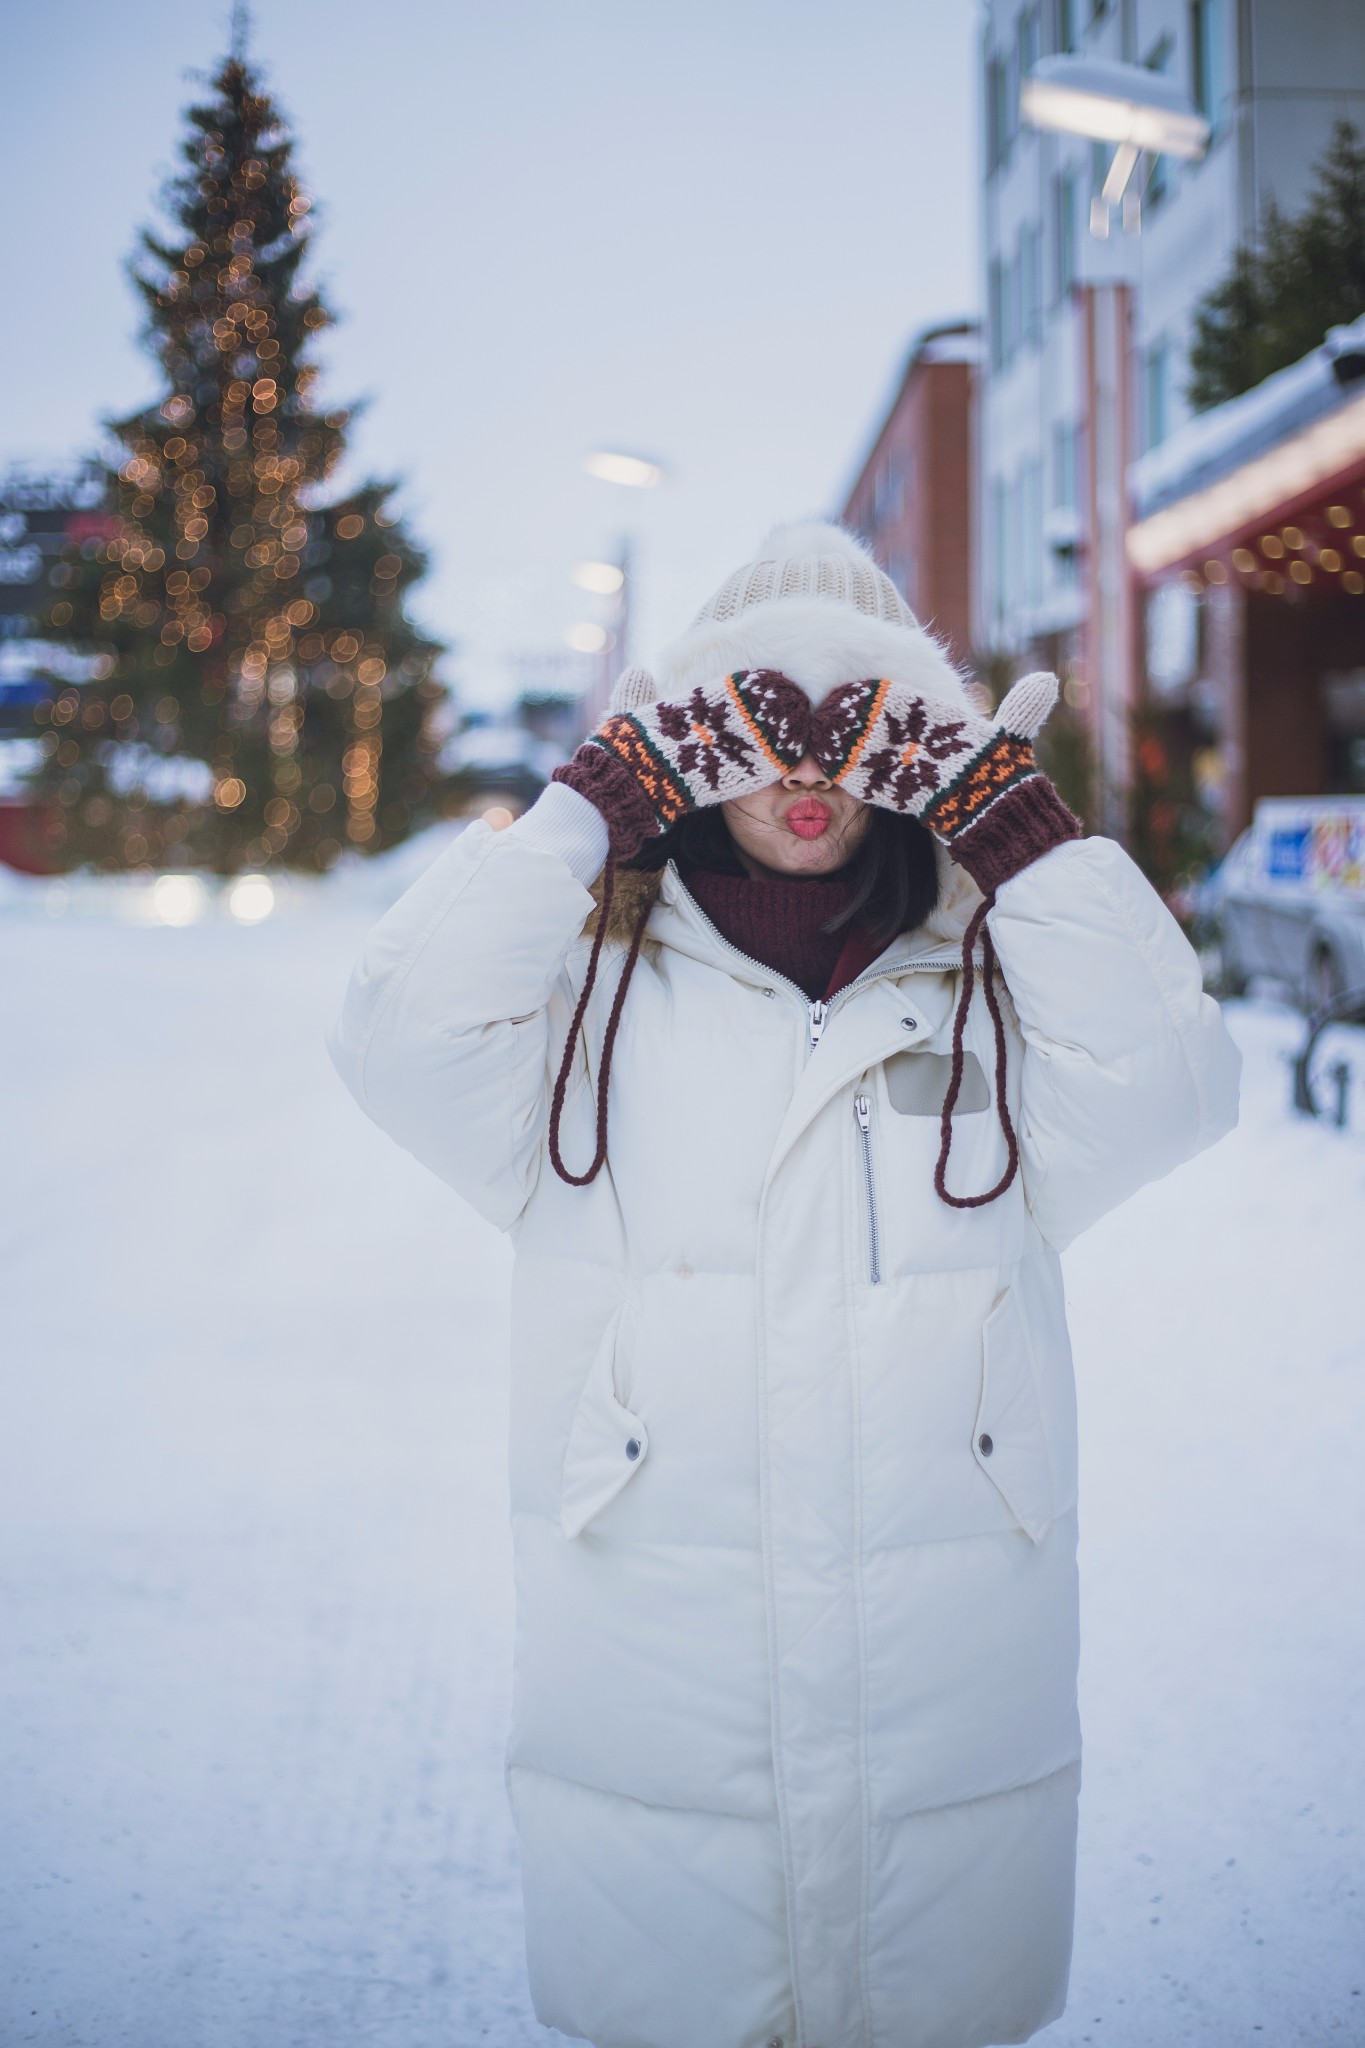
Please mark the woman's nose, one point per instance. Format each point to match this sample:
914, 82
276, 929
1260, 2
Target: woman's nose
807, 774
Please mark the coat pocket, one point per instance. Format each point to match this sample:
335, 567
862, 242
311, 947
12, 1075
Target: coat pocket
607, 1443
1011, 1441
917, 1084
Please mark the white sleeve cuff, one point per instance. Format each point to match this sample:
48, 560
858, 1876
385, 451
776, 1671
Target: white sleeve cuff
563, 822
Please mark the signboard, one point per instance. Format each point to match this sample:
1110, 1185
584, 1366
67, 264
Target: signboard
1312, 845
40, 514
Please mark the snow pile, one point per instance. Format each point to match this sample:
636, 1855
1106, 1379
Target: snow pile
255, 1568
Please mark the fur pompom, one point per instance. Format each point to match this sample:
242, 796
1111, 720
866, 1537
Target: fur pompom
807, 537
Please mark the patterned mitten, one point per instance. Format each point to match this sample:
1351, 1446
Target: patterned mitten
649, 763
973, 782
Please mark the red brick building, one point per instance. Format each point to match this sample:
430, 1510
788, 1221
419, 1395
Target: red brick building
912, 500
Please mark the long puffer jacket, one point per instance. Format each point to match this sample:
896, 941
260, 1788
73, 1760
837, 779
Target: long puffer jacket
795, 1749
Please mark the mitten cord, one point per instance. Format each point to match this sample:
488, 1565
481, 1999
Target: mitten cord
581, 1180
975, 928
977, 925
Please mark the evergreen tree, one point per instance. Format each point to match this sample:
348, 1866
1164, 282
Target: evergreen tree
1170, 833
259, 693
1279, 299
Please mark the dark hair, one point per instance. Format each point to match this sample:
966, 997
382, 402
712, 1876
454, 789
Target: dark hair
893, 872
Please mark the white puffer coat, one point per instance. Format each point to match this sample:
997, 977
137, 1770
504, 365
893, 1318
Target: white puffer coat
795, 1749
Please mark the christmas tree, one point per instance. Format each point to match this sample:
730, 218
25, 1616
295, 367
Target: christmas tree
257, 693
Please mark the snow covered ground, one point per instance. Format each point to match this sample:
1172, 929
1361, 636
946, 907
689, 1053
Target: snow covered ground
255, 1585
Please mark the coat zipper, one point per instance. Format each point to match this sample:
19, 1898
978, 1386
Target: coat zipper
862, 1110
816, 1023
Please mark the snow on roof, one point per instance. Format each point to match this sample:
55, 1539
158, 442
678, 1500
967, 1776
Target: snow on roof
1218, 441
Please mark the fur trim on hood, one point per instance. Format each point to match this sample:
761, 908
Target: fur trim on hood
816, 607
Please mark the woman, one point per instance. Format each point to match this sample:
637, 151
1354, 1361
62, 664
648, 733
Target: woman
789, 1134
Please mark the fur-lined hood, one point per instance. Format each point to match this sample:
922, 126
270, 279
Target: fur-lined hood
816, 607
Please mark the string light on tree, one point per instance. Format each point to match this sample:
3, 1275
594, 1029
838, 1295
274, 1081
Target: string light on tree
253, 634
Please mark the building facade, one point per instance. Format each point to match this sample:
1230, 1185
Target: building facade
912, 499
1248, 546
1271, 77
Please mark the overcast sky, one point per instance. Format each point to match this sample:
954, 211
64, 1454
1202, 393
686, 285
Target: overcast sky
705, 231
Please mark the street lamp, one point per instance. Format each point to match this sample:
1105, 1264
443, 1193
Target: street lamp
1135, 109
609, 466
1125, 104
588, 638
603, 579
613, 579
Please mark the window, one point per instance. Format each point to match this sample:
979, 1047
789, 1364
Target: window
995, 131
1009, 314
1155, 395
1031, 532
995, 312
1002, 110
1030, 284
901, 569
888, 497
1158, 172
1064, 466
999, 524
1007, 106
1206, 59
1026, 42
1063, 234
1100, 154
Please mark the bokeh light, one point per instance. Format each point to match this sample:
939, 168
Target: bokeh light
587, 638
251, 898
179, 899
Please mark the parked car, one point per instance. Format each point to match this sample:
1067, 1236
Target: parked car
1288, 902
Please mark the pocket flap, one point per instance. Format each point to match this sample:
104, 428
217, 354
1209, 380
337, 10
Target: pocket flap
607, 1443
1010, 1443
917, 1084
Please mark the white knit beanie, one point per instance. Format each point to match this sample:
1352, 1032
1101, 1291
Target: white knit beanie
814, 606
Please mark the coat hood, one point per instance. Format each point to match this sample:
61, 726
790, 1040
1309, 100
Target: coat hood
815, 606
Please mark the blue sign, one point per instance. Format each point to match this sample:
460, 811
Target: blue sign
1286, 855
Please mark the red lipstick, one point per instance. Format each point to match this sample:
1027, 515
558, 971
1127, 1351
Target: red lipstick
808, 818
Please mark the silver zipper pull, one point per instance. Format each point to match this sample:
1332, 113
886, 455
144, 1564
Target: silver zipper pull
818, 1014
862, 1110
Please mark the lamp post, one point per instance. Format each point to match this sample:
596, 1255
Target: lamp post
1136, 110
614, 579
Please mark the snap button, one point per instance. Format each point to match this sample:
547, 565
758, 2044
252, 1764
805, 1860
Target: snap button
633, 1447
909, 1024
770, 993
985, 1444
776, 2041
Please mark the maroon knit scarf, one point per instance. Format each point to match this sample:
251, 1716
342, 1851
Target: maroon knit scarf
779, 924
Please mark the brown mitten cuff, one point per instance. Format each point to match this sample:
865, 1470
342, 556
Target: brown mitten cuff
610, 786
1014, 831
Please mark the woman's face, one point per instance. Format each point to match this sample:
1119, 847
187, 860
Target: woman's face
801, 826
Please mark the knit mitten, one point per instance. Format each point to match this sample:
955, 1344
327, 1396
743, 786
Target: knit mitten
974, 783
650, 762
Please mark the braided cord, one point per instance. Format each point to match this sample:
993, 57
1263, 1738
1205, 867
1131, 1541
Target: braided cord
977, 925
581, 1180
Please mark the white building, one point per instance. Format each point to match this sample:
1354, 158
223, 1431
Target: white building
1271, 77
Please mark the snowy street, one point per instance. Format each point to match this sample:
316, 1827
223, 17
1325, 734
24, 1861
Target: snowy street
256, 1582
